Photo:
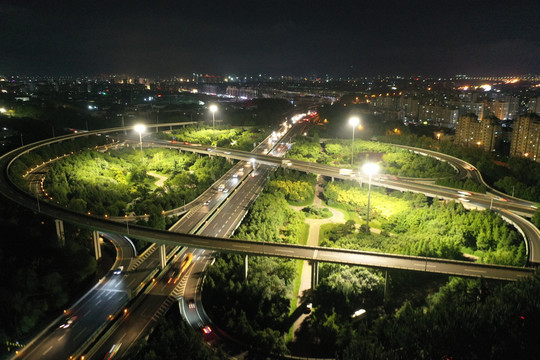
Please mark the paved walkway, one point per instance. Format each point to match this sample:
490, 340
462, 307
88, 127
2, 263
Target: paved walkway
313, 240
161, 178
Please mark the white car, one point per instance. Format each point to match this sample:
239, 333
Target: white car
118, 270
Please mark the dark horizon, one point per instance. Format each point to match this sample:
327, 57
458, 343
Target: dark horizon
277, 38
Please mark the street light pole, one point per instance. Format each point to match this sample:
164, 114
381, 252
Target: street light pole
354, 121
213, 109
370, 169
140, 128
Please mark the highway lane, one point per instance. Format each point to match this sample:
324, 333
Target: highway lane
88, 315
143, 315
144, 312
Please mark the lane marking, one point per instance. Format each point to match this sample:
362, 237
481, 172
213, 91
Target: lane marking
46, 351
242, 246
474, 270
285, 250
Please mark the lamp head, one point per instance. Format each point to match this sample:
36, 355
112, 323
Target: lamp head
140, 128
370, 168
354, 121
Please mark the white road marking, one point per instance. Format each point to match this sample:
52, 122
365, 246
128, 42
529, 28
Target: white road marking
46, 351
474, 270
242, 246
285, 250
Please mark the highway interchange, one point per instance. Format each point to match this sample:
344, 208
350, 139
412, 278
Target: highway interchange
212, 235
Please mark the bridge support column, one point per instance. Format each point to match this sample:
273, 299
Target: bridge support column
163, 256
97, 245
60, 232
245, 267
385, 284
332, 179
314, 274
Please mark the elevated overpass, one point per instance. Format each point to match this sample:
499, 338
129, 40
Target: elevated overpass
316, 254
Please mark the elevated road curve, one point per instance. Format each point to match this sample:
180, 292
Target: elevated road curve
9, 190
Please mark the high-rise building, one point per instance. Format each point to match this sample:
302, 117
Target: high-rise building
533, 106
526, 137
484, 134
500, 109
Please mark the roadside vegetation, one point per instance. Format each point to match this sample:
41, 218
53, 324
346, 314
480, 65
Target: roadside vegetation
510, 175
393, 161
235, 138
45, 153
117, 183
413, 224
257, 310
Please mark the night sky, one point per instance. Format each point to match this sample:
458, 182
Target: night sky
345, 38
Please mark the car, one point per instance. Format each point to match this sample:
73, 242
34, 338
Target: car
207, 202
113, 351
308, 308
207, 330
225, 190
208, 149
118, 270
68, 322
191, 304
235, 176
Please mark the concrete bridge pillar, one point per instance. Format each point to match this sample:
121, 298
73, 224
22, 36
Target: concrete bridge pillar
97, 245
60, 232
245, 267
314, 274
163, 256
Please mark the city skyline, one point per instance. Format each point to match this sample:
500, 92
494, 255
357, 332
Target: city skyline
350, 39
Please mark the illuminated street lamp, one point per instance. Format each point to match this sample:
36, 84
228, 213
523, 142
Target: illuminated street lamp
213, 109
369, 169
140, 128
439, 136
354, 121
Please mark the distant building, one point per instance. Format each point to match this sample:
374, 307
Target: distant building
242, 92
526, 137
441, 116
533, 107
484, 134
